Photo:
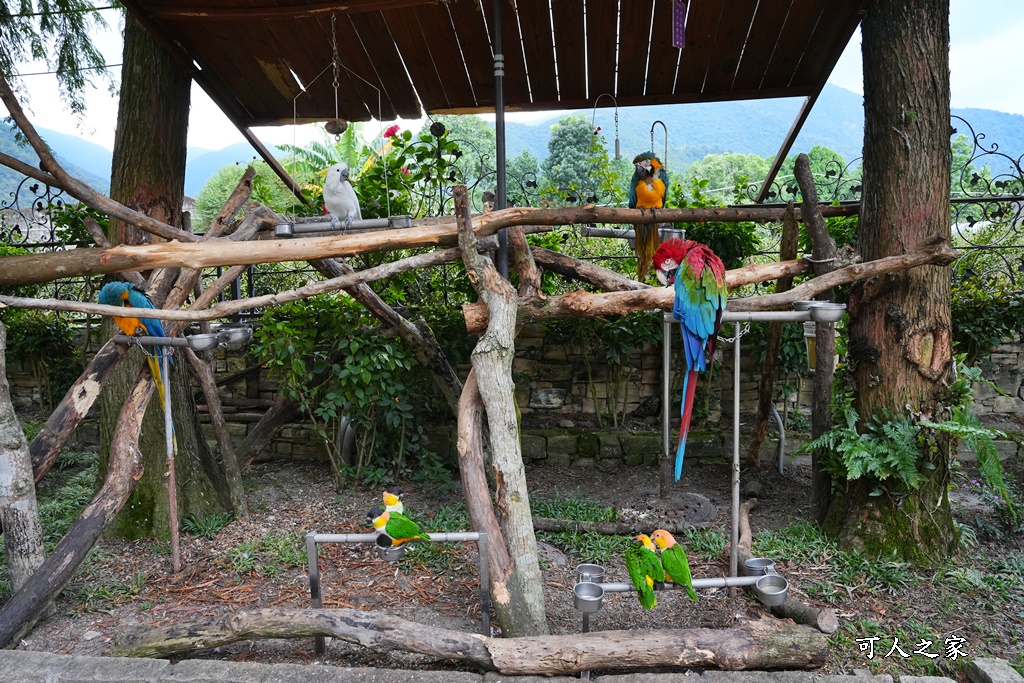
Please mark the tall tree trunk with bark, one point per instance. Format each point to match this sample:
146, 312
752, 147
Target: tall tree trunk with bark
23, 534
148, 175
900, 348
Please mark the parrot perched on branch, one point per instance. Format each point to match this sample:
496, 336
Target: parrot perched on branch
129, 296
396, 526
673, 560
644, 569
700, 295
393, 499
648, 189
339, 197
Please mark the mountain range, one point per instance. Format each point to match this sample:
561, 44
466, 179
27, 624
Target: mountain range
689, 133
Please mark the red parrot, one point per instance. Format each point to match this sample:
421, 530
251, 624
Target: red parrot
700, 296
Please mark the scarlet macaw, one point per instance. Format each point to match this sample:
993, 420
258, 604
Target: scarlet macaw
399, 528
700, 296
644, 569
673, 559
648, 189
129, 296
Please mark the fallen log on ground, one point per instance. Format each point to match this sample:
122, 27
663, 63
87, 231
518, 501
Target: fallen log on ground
761, 644
822, 618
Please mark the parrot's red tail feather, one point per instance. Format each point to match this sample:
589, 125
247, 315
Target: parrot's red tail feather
689, 388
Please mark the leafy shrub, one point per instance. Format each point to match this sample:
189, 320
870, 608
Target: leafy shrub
44, 341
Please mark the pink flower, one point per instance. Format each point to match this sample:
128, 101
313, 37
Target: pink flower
391, 131
406, 171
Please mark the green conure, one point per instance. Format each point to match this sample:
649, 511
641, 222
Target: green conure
673, 559
399, 528
644, 569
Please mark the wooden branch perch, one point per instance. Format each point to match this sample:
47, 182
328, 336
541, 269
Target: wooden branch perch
761, 644
579, 303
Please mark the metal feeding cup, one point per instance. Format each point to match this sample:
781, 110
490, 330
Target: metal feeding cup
386, 551
589, 573
758, 566
771, 589
587, 596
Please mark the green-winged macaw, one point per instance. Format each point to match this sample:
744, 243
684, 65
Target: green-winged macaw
648, 189
644, 569
700, 295
673, 560
393, 499
399, 528
129, 296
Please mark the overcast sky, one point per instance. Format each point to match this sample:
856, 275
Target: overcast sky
985, 46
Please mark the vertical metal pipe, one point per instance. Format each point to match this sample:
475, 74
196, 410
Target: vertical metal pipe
313, 564
666, 403
485, 585
500, 189
172, 484
734, 551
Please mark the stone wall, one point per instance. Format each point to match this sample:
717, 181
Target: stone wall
557, 396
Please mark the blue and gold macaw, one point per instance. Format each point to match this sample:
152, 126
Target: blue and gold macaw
648, 189
700, 295
129, 296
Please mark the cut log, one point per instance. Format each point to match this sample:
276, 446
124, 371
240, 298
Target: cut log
822, 618
761, 644
935, 251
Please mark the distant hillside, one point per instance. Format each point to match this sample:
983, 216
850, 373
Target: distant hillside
73, 153
694, 131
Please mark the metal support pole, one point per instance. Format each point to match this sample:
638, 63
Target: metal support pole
485, 585
172, 485
734, 551
313, 563
666, 386
500, 189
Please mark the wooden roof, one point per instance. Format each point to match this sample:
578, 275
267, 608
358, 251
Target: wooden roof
400, 58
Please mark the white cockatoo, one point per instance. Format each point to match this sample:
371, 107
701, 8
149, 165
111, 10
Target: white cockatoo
339, 197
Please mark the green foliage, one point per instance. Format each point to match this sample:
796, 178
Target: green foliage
59, 511
705, 541
361, 374
984, 313
734, 243
888, 447
582, 509
208, 526
725, 172
45, 342
57, 32
577, 169
109, 593
439, 557
267, 189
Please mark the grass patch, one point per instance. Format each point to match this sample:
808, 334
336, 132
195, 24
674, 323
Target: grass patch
107, 594
705, 542
207, 526
268, 556
584, 546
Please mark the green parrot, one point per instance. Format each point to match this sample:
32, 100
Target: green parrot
644, 569
673, 559
399, 528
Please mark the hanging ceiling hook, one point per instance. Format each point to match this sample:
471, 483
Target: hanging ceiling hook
664, 158
593, 117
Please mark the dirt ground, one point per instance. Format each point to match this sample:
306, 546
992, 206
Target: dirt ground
127, 583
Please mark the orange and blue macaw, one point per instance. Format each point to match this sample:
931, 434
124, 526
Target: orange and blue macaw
129, 296
648, 189
700, 295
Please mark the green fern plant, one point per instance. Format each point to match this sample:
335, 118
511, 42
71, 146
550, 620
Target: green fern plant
891, 448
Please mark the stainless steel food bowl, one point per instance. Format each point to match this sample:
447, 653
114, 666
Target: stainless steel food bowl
771, 589
202, 342
590, 573
386, 551
758, 566
588, 596
827, 312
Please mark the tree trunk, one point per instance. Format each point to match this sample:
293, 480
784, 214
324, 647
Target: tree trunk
492, 363
900, 346
19, 515
148, 176
761, 644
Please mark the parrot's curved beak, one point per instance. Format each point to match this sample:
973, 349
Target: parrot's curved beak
663, 277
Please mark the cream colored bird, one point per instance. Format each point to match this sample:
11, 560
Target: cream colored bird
339, 196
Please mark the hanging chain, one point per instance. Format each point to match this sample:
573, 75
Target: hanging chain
336, 62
